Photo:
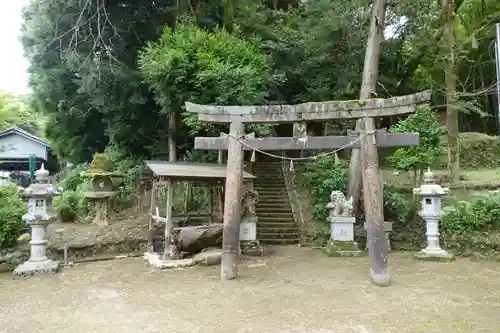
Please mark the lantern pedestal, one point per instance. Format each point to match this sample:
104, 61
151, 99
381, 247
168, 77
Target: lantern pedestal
34, 268
434, 255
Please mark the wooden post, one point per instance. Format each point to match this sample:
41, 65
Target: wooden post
150, 246
220, 199
169, 224
220, 157
368, 90
210, 203
187, 193
374, 210
232, 204
368, 156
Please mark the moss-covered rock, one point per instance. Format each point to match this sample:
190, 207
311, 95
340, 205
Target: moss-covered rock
101, 162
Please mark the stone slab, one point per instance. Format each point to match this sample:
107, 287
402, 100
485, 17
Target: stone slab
435, 255
342, 249
154, 260
208, 258
35, 268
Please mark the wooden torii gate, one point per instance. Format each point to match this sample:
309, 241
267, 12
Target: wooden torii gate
237, 116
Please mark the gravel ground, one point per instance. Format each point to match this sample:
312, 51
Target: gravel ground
294, 290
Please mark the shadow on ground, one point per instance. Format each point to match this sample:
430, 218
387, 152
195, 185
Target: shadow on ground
295, 290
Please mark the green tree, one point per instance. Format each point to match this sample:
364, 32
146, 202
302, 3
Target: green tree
192, 64
425, 122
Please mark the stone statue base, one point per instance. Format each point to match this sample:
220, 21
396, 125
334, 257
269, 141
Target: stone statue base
35, 268
342, 249
434, 255
251, 248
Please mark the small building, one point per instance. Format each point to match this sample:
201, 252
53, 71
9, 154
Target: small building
16, 146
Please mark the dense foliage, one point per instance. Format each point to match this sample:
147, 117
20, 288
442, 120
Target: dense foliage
480, 214
191, 64
90, 77
477, 151
472, 225
425, 122
12, 208
323, 175
16, 111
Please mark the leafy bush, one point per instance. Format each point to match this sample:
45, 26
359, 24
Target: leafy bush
71, 179
322, 176
71, 205
481, 214
425, 122
12, 208
67, 206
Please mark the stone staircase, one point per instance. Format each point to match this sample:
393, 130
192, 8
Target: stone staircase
276, 224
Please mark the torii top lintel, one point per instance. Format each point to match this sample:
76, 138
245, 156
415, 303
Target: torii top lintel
309, 111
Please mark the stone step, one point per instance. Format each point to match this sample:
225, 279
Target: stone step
277, 234
267, 187
265, 195
274, 219
264, 207
278, 193
284, 225
288, 232
270, 205
279, 241
273, 213
271, 192
271, 188
274, 206
271, 180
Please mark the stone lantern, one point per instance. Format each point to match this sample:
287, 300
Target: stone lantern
101, 187
39, 214
430, 195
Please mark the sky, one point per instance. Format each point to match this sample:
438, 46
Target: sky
13, 65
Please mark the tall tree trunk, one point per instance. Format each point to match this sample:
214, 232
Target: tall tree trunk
451, 90
368, 88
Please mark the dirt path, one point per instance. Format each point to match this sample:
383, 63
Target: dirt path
295, 290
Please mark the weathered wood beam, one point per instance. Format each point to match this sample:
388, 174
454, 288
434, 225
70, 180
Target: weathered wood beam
310, 111
383, 140
232, 204
271, 118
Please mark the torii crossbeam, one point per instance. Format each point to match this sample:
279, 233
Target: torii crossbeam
236, 142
